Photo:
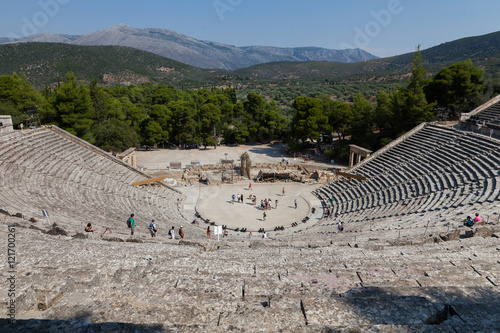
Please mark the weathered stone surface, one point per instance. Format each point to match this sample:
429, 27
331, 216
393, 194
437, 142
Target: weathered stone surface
56, 230
483, 232
451, 236
469, 233
176, 286
373, 246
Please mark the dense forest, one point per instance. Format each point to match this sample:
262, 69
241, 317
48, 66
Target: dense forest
116, 118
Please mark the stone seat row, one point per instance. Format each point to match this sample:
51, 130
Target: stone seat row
334, 285
462, 174
374, 161
452, 214
71, 176
490, 114
263, 269
362, 198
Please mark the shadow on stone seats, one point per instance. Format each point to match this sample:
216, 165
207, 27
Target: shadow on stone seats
75, 324
458, 307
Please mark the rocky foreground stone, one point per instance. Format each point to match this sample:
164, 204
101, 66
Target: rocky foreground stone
79, 283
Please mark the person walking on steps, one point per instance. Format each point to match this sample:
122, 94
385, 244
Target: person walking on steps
131, 224
152, 228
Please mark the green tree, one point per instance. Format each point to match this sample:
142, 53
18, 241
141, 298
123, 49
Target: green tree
184, 126
363, 114
163, 116
457, 87
73, 107
254, 107
309, 120
263, 120
384, 115
236, 129
492, 86
417, 109
340, 117
115, 135
209, 120
151, 132
408, 105
164, 95
15, 94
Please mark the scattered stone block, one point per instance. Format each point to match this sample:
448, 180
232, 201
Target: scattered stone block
36, 228
454, 235
113, 239
56, 231
79, 235
469, 234
373, 246
134, 240
483, 232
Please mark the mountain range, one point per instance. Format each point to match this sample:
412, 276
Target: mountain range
194, 52
484, 51
46, 63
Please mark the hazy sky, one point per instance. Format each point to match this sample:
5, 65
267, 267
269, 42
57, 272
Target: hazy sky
381, 27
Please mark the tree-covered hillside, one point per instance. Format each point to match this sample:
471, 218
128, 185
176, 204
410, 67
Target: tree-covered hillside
483, 51
48, 63
115, 118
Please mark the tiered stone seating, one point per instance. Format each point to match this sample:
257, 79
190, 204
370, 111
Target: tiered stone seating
259, 285
489, 116
317, 280
76, 183
437, 168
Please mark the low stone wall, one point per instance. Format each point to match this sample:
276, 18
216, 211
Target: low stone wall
6, 125
128, 156
275, 166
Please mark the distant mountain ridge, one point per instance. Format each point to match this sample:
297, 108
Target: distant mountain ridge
198, 53
46, 63
484, 51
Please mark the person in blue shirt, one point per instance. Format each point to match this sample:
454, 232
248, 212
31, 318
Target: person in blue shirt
131, 224
469, 222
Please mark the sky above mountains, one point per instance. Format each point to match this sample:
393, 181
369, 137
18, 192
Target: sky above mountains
381, 27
